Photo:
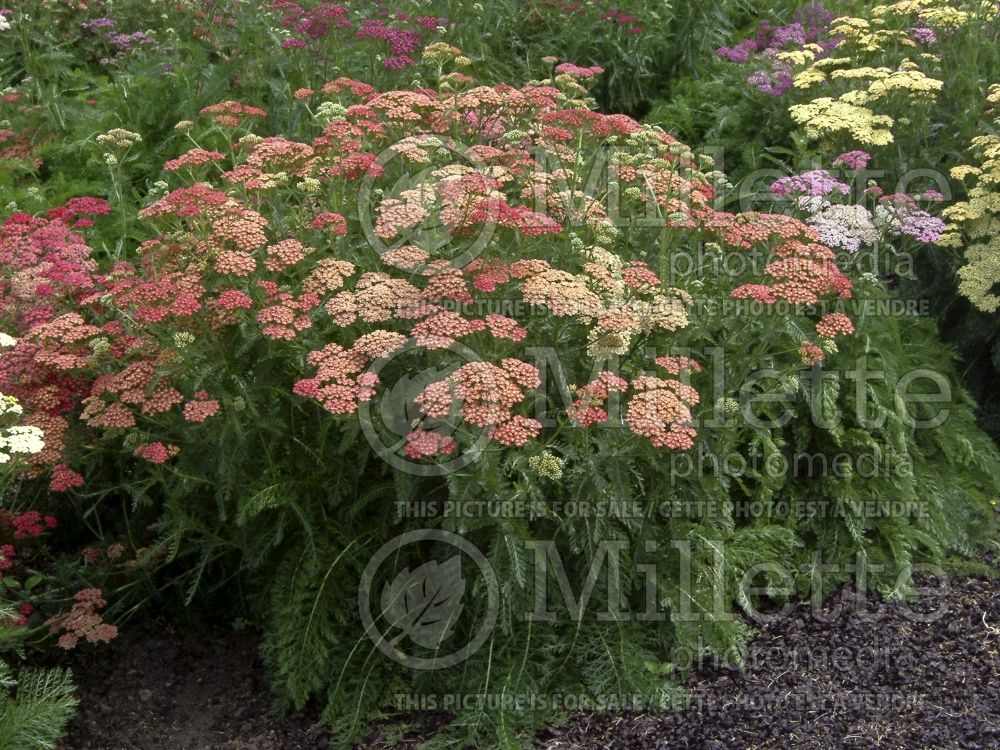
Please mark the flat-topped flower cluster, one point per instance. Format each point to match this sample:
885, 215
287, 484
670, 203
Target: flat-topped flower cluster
978, 217
471, 198
867, 75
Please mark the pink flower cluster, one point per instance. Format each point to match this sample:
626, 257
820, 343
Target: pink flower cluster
589, 407
852, 160
283, 315
832, 325
485, 395
427, 444
811, 354
803, 273
105, 351
660, 411
229, 113
817, 183
567, 68
83, 621
64, 478
341, 381
200, 408
196, 157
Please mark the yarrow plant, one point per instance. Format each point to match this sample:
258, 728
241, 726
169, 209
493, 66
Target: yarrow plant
978, 218
859, 70
778, 47
44, 695
827, 205
325, 25
358, 273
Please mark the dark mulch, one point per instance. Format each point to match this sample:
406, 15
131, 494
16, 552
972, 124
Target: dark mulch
163, 692
872, 678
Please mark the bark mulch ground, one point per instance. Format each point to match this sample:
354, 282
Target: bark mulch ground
874, 677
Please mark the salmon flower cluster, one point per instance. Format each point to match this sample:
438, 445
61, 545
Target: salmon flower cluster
475, 229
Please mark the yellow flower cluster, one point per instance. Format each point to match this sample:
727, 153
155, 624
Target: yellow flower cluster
909, 81
808, 78
867, 36
440, 51
826, 117
978, 219
800, 56
937, 14
854, 112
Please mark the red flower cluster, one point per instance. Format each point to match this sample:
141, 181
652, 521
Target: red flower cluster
156, 453
28, 524
803, 273
589, 407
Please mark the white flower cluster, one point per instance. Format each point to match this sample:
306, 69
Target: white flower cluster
4, 24
21, 440
844, 226
119, 137
15, 439
328, 111
9, 407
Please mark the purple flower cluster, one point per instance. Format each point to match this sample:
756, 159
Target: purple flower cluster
738, 53
98, 23
125, 43
774, 83
901, 214
923, 35
816, 184
128, 42
810, 26
402, 33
